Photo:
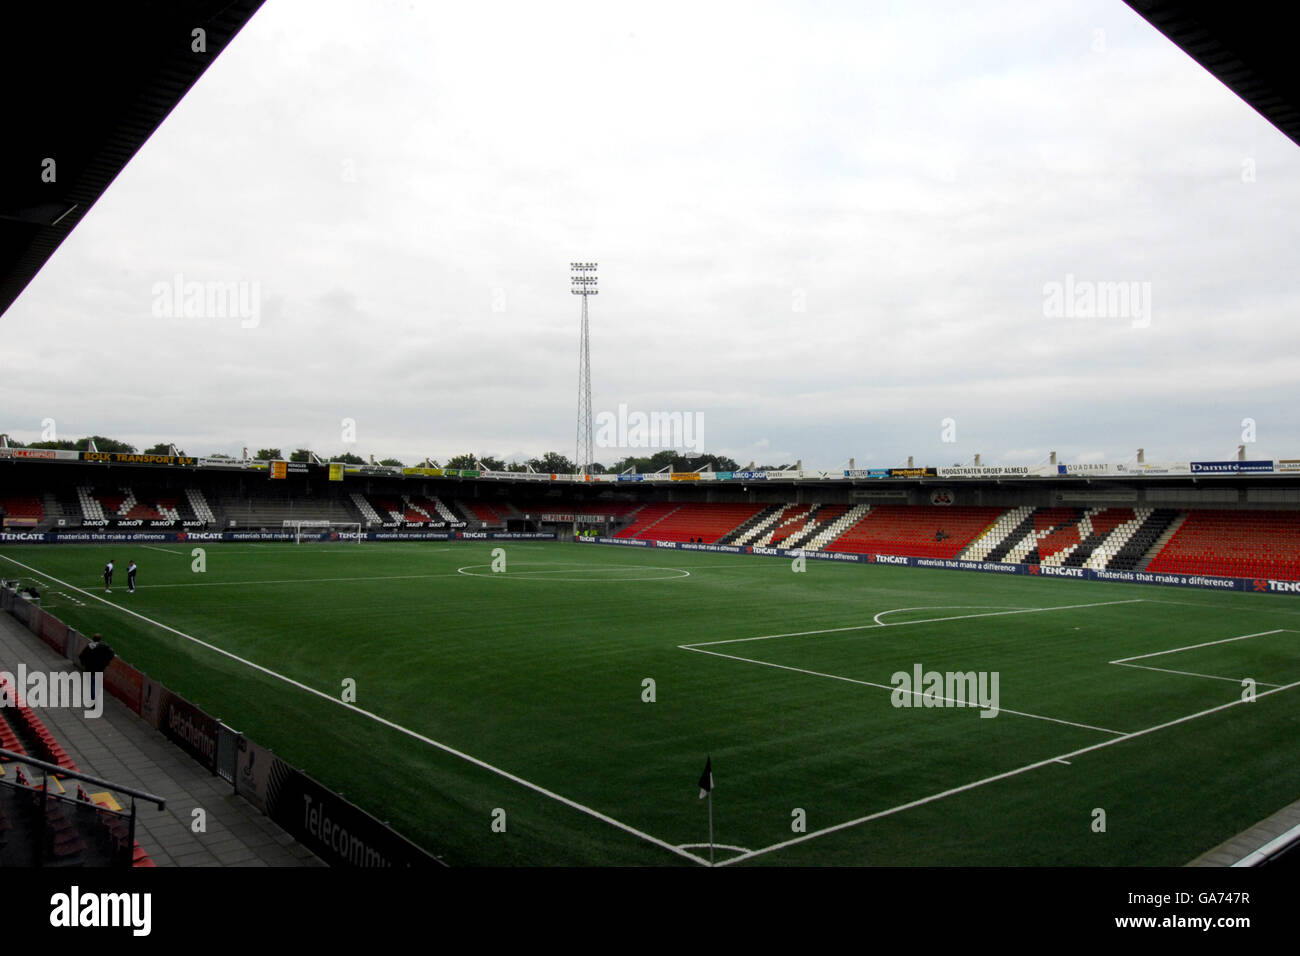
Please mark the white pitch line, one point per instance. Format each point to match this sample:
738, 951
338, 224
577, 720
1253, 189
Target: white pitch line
717, 846
1190, 647
167, 550
225, 584
891, 688
933, 620
949, 607
604, 818
1001, 776
1166, 670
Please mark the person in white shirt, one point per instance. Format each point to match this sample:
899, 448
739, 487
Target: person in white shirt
130, 577
108, 577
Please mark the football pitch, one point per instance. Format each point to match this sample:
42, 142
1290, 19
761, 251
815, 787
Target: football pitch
854, 714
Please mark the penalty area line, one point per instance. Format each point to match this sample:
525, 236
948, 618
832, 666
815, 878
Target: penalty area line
931, 620
537, 788
891, 688
1059, 758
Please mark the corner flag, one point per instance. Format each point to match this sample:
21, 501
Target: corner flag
706, 778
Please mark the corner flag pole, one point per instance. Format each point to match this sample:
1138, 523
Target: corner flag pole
706, 790
710, 827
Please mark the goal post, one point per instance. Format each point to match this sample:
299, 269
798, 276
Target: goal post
310, 529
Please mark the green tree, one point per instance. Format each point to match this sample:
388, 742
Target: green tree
107, 445
460, 463
349, 459
83, 444
553, 461
302, 454
269, 454
162, 448
391, 463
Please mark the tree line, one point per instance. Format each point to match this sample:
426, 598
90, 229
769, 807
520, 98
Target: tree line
551, 462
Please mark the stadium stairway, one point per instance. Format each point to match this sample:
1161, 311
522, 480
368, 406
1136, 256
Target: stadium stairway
412, 507
1154, 522
791, 518
1095, 528
91, 509
200, 505
754, 527
368, 513
440, 509
1009, 530
1006, 526
119, 746
835, 527
821, 518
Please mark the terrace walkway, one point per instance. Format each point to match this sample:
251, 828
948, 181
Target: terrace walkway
120, 747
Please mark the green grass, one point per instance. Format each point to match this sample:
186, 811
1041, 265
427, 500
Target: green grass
539, 671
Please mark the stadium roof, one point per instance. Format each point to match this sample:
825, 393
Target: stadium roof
91, 83
1246, 45
86, 85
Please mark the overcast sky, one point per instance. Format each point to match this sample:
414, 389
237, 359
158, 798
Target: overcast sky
824, 228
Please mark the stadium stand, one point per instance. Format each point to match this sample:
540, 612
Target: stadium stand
21, 510
921, 531
69, 838
647, 518
271, 510
1233, 544
701, 520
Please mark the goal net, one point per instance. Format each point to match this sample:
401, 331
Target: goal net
319, 529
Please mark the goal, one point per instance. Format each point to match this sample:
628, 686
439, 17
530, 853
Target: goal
313, 529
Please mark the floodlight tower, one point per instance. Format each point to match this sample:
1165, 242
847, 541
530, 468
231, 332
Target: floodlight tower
583, 278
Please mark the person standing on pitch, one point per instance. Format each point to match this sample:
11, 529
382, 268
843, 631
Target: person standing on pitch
130, 577
108, 577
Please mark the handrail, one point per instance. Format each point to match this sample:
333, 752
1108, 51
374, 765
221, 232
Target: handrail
78, 775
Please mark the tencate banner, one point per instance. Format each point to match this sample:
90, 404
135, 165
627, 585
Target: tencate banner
1288, 464
1253, 585
197, 537
1230, 467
